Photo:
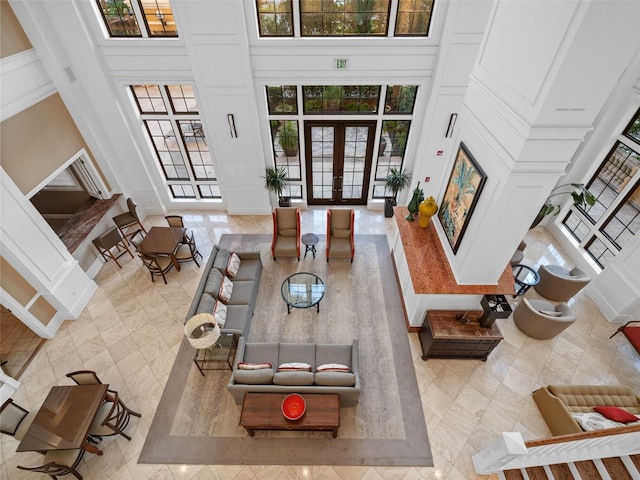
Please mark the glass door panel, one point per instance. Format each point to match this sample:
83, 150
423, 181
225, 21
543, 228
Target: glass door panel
339, 157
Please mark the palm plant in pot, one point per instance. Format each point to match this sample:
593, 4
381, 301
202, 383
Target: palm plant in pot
395, 181
581, 198
275, 180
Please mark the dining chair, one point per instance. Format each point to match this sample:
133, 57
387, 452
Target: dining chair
59, 463
106, 243
15, 420
188, 251
112, 419
157, 265
128, 219
136, 242
174, 221
89, 377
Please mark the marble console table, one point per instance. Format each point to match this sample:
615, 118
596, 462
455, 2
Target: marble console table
426, 279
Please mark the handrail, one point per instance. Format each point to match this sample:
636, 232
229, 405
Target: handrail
583, 436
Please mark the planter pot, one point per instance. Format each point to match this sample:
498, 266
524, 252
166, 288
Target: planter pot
389, 203
284, 201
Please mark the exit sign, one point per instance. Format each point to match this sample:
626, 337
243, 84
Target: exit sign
342, 63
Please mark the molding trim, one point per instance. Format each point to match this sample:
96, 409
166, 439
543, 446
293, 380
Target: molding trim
25, 82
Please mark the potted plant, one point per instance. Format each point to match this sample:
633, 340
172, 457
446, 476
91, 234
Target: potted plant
581, 198
289, 138
275, 180
395, 181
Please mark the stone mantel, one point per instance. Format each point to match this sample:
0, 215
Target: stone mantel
428, 264
425, 276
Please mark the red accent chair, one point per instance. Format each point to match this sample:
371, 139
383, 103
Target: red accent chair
632, 333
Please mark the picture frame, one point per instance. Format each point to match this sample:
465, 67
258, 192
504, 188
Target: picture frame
463, 190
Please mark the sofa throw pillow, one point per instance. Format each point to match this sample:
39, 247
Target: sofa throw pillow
233, 265
341, 232
226, 289
220, 313
551, 313
592, 421
333, 367
294, 366
254, 366
616, 414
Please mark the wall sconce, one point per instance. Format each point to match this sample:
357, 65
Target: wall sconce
452, 123
232, 125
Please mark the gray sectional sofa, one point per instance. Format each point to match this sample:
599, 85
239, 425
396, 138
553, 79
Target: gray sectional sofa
270, 380
244, 294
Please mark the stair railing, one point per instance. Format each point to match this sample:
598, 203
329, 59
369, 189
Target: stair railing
510, 451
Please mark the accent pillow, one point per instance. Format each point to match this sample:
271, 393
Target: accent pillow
226, 289
220, 313
288, 232
233, 265
294, 366
616, 414
341, 232
551, 313
254, 366
594, 421
333, 367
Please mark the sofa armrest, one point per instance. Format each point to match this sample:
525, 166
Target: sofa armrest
239, 352
555, 414
354, 356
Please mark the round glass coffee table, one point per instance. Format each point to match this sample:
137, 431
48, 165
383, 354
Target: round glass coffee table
302, 290
525, 277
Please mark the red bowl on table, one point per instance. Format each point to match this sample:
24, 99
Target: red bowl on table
293, 406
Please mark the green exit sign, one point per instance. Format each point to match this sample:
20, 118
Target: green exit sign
342, 63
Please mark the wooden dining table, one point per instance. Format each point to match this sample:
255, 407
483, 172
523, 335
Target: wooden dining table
163, 241
64, 419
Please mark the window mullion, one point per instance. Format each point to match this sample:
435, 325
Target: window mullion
391, 30
295, 14
142, 24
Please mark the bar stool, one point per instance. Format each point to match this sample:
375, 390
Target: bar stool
107, 241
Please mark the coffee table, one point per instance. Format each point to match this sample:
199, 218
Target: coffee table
302, 290
263, 411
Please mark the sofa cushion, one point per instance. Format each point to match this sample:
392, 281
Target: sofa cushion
582, 398
335, 379
261, 352
333, 353
297, 352
214, 280
250, 269
616, 414
341, 232
207, 304
222, 260
288, 232
244, 293
293, 378
254, 377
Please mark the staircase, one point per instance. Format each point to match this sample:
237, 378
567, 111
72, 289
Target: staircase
611, 454
614, 468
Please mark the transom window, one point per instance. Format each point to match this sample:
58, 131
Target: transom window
171, 118
124, 17
606, 227
341, 18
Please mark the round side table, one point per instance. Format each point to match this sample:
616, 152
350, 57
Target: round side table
310, 240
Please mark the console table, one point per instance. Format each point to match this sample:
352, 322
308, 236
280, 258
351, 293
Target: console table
442, 336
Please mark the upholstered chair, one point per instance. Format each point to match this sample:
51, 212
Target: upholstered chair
286, 232
541, 319
518, 255
15, 420
559, 283
340, 233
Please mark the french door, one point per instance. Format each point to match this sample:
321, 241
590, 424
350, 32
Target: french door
338, 160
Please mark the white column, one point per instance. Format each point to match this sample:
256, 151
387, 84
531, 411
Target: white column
543, 74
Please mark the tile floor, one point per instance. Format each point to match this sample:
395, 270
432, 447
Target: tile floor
130, 331
18, 344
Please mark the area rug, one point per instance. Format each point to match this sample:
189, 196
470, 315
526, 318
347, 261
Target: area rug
197, 421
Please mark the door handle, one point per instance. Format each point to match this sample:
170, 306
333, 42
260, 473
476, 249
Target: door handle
340, 183
333, 184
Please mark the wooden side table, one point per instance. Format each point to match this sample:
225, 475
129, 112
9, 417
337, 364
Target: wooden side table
263, 411
442, 336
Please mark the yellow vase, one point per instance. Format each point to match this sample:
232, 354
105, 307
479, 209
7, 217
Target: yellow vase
427, 209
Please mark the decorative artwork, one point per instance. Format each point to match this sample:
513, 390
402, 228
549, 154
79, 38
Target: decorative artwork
464, 187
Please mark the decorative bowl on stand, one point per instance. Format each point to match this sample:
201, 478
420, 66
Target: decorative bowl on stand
293, 406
